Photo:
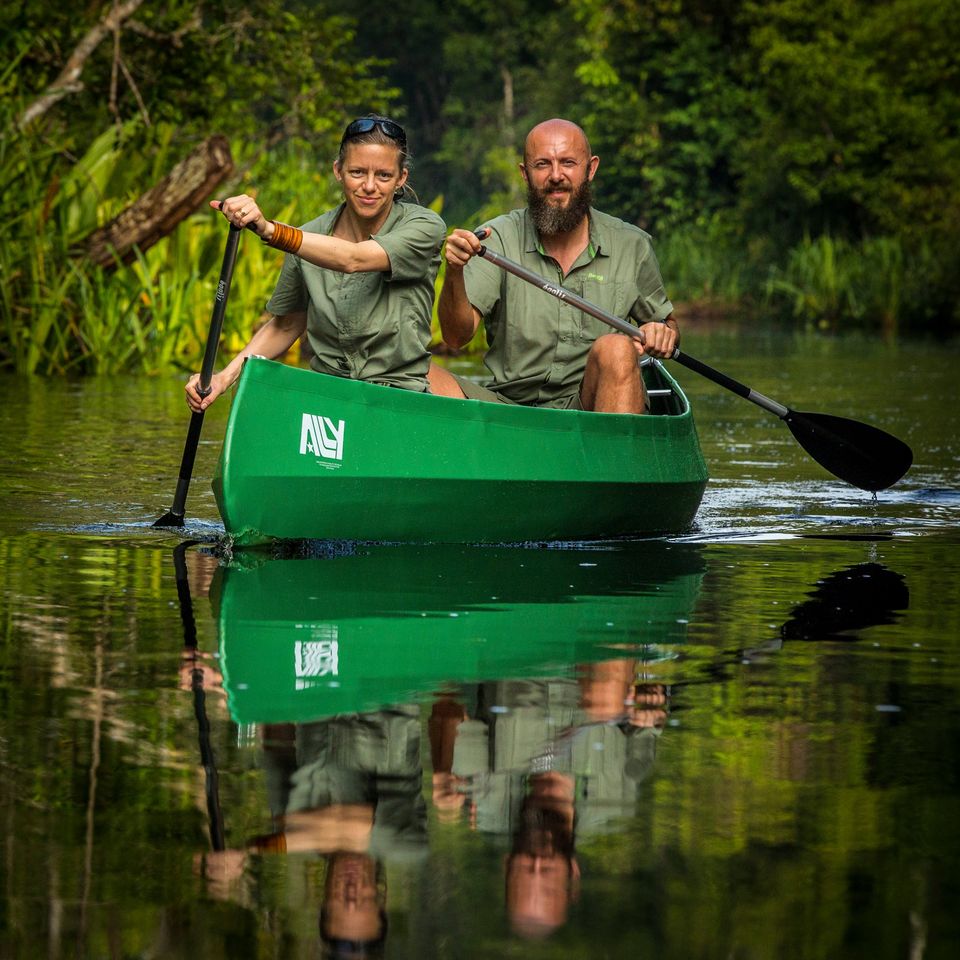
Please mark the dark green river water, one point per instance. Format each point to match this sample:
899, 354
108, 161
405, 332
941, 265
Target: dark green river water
742, 742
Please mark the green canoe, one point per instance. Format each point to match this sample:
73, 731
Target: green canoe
302, 639
307, 456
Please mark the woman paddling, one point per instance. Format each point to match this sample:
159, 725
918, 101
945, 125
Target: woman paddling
358, 280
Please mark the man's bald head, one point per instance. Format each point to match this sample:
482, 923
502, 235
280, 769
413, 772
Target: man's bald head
554, 131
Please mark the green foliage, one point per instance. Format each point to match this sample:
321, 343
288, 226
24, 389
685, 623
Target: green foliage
797, 155
474, 75
96, 150
262, 72
828, 149
854, 117
62, 315
660, 104
706, 260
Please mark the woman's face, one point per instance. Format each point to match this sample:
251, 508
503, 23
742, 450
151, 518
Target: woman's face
370, 175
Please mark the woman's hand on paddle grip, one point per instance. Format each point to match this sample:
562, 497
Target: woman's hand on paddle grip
218, 384
242, 211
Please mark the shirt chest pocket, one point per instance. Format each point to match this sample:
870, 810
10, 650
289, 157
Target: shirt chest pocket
360, 304
612, 296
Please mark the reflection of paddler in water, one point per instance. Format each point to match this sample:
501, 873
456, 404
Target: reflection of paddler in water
533, 609
349, 789
544, 762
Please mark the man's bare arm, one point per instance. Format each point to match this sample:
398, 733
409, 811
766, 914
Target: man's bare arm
459, 319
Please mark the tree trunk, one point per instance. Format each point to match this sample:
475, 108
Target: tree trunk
162, 207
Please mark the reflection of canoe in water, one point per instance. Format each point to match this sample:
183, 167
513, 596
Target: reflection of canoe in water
301, 639
317, 457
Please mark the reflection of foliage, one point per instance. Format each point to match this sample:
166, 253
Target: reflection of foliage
80, 636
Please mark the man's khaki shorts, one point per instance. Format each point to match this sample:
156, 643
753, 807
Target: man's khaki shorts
474, 391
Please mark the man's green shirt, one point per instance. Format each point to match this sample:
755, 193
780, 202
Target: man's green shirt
370, 326
537, 344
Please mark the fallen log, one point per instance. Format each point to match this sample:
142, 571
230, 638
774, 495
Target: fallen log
158, 211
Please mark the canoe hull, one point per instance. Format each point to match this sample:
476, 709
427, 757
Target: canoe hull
312, 457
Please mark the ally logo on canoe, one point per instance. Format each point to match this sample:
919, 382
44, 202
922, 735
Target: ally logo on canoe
317, 658
321, 436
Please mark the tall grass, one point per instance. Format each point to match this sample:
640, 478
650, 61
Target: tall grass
705, 262
814, 286
879, 284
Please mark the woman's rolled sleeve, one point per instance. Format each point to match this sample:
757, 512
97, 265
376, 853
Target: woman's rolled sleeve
290, 293
413, 243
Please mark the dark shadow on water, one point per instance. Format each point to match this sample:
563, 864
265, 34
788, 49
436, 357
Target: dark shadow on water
849, 600
838, 607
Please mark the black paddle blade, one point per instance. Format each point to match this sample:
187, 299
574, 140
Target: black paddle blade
855, 452
169, 519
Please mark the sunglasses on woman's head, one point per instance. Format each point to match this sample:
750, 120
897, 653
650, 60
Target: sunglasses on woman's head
367, 124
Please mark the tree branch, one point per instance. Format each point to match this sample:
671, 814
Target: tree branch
69, 79
136, 92
175, 38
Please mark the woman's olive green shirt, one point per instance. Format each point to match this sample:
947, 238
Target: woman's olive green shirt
370, 326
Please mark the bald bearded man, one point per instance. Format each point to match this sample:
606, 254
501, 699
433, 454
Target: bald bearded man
542, 352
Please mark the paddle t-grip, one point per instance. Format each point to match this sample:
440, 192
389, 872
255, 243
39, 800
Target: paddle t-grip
481, 233
247, 226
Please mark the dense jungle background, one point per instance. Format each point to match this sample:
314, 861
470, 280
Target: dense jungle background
796, 161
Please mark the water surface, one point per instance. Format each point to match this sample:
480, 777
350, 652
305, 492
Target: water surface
738, 742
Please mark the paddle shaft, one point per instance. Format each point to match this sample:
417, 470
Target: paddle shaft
174, 518
567, 296
855, 452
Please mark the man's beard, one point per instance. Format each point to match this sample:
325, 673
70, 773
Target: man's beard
551, 220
